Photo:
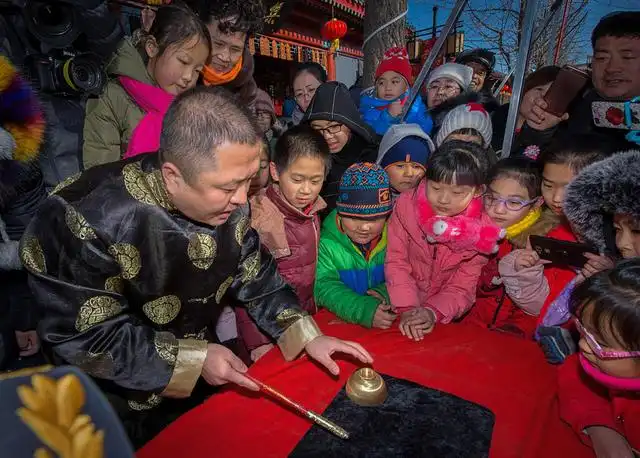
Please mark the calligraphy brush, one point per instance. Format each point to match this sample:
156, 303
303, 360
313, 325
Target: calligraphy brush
310, 414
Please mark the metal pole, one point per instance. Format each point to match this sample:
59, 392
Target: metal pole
433, 55
563, 27
434, 21
518, 80
550, 14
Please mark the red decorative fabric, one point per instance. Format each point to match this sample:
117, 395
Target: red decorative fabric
503, 373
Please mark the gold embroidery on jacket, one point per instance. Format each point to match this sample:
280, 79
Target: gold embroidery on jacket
32, 256
101, 365
78, 225
251, 267
114, 284
66, 182
147, 188
287, 317
241, 229
222, 290
202, 300
53, 411
200, 335
128, 257
202, 250
162, 310
96, 310
166, 346
153, 401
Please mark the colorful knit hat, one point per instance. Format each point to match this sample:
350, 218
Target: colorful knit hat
20, 114
364, 192
469, 116
396, 60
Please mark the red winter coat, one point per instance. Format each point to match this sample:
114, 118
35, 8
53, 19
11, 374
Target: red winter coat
494, 309
584, 403
292, 237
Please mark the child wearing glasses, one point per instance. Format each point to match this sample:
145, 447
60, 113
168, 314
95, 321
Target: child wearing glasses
381, 105
439, 239
599, 388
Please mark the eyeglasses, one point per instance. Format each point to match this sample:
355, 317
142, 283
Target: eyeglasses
448, 89
511, 203
332, 129
597, 348
309, 93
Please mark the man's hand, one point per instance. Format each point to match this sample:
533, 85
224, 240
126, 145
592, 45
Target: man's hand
384, 317
417, 322
540, 119
608, 443
525, 259
596, 263
221, 366
259, 352
28, 343
321, 348
395, 109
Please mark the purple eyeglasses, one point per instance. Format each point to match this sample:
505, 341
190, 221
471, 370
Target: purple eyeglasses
597, 348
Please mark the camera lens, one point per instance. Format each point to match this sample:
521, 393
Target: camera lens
85, 74
52, 23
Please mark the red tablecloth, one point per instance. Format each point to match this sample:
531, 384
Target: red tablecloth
503, 373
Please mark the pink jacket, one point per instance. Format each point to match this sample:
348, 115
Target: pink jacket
155, 101
423, 274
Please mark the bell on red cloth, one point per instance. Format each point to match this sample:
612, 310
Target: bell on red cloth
333, 30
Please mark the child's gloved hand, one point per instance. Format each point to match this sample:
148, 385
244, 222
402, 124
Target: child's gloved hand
608, 443
417, 322
384, 317
395, 109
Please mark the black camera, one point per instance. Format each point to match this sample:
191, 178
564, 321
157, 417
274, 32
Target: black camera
67, 73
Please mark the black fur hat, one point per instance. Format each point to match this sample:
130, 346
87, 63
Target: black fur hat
599, 192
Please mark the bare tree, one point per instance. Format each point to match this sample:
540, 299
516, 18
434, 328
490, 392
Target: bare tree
378, 13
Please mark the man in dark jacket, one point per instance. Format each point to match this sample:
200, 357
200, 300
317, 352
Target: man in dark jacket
615, 78
333, 114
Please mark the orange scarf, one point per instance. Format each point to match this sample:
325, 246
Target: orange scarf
213, 78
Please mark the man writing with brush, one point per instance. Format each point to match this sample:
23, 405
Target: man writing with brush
132, 262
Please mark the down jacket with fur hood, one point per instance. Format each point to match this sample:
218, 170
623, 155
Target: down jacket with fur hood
599, 192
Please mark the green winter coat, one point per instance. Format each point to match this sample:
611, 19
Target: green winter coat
343, 275
110, 119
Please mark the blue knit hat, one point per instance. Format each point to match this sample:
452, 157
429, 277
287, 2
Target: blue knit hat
409, 149
364, 192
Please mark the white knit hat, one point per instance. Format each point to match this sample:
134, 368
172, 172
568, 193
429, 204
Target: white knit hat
469, 116
461, 74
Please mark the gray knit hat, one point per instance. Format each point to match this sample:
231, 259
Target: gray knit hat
468, 116
7, 144
461, 74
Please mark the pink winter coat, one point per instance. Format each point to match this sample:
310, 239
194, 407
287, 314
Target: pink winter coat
423, 274
155, 102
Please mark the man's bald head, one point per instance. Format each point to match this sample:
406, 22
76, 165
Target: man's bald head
198, 122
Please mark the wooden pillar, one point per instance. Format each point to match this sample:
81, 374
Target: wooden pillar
331, 64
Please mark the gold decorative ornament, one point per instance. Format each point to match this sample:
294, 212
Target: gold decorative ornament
128, 257
166, 346
100, 365
78, 225
114, 284
241, 229
366, 387
287, 317
162, 310
148, 188
97, 310
53, 411
222, 290
32, 256
251, 267
153, 401
202, 250
66, 182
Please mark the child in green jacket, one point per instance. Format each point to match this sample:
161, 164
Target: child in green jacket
353, 243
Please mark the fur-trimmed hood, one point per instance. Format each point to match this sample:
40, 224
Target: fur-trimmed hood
600, 191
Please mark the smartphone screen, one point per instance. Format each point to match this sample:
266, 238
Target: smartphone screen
567, 85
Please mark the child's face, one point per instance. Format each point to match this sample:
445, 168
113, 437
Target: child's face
506, 202
450, 199
262, 178
555, 178
362, 231
477, 139
390, 85
301, 182
622, 367
405, 175
627, 235
178, 67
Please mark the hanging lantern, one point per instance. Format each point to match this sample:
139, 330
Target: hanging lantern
333, 30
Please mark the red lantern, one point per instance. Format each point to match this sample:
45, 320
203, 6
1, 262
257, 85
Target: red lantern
333, 30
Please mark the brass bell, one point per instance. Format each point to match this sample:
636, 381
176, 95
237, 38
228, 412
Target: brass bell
366, 387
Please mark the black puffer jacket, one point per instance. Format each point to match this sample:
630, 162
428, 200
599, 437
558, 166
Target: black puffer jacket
332, 102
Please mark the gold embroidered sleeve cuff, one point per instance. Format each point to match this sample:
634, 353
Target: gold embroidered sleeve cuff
297, 336
191, 356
